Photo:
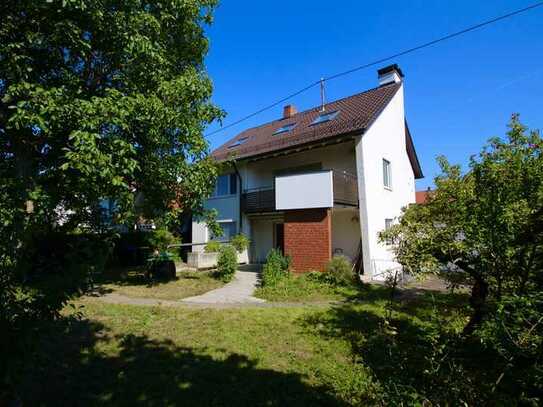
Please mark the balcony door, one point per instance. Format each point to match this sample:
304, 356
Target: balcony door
279, 241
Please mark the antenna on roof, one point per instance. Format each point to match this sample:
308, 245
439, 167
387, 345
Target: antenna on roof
323, 96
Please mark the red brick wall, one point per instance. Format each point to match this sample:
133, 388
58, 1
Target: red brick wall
308, 238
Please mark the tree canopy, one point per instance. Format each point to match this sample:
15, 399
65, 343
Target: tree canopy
102, 99
483, 227
99, 99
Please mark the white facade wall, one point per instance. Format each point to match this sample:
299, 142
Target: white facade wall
345, 232
199, 235
385, 139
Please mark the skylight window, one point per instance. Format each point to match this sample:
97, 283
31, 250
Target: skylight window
285, 128
325, 117
238, 142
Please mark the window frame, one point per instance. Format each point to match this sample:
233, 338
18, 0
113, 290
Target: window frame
231, 186
387, 174
389, 222
232, 231
239, 142
324, 117
287, 128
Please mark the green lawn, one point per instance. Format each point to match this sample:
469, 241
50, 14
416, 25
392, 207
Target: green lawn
132, 283
303, 288
345, 354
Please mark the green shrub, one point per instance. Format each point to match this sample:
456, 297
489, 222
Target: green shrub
514, 332
316, 277
339, 271
276, 268
212, 246
227, 263
129, 248
160, 262
240, 242
160, 239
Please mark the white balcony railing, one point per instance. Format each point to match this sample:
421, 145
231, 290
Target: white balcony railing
320, 189
304, 191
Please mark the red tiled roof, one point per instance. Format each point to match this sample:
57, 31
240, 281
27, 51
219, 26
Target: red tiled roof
421, 196
356, 114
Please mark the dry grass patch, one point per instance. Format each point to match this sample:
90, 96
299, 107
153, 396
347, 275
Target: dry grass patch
134, 284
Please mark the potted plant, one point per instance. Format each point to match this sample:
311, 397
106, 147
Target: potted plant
241, 244
161, 262
213, 246
207, 258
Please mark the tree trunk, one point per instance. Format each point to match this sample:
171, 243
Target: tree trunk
479, 294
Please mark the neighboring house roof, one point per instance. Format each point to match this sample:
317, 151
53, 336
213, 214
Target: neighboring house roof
422, 196
355, 115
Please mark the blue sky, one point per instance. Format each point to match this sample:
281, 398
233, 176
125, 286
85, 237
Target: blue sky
458, 93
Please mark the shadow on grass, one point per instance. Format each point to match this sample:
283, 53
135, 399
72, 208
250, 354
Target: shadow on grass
413, 301
387, 348
131, 276
82, 364
409, 347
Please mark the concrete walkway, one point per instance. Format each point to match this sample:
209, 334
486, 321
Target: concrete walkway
112, 298
238, 291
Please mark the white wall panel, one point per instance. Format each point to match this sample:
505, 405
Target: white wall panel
302, 191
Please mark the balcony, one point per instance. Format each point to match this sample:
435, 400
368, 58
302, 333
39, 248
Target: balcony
345, 188
258, 200
322, 189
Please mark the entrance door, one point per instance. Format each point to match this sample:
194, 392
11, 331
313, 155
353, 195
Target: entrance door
280, 237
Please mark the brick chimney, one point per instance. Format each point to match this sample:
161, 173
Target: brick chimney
389, 74
289, 111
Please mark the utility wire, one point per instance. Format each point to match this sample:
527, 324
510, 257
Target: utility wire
380, 61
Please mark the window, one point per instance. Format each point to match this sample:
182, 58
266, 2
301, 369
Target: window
228, 231
387, 175
388, 225
284, 129
325, 117
107, 210
222, 187
226, 185
238, 142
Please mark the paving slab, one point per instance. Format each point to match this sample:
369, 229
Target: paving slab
239, 291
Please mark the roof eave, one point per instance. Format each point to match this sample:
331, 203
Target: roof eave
295, 148
412, 153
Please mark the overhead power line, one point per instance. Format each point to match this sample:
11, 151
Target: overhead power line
380, 61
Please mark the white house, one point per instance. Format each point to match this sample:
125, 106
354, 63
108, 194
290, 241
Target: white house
320, 182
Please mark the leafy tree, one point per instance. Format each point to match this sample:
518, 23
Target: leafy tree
99, 99
161, 239
485, 226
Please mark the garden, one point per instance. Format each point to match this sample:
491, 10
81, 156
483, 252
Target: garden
364, 352
104, 111
148, 265
323, 338
337, 283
